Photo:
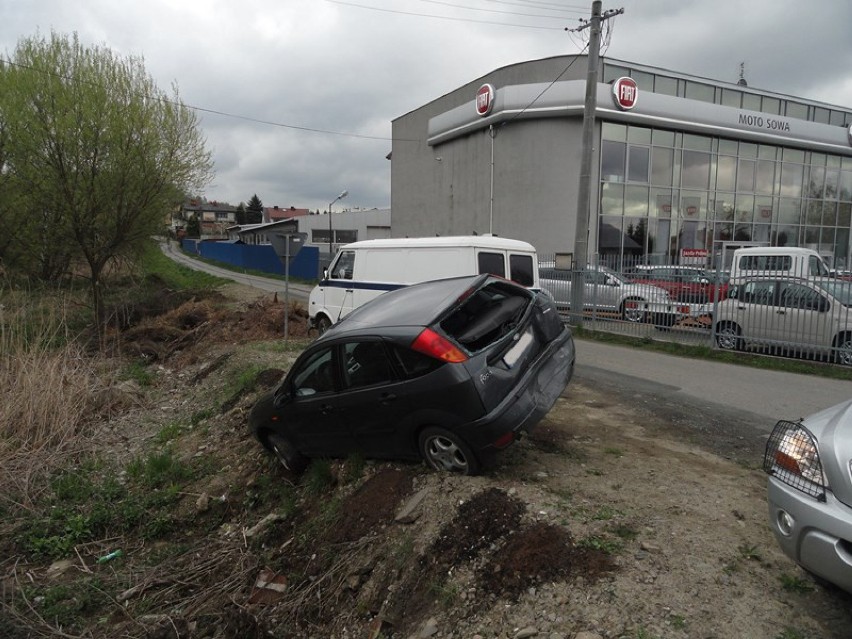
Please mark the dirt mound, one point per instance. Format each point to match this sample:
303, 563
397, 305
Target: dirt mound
372, 506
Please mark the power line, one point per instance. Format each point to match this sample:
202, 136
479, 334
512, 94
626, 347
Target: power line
512, 13
549, 6
217, 112
452, 18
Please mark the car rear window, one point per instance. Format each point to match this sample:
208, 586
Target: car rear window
486, 316
522, 269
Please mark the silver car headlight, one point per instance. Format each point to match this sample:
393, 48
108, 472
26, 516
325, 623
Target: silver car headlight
792, 457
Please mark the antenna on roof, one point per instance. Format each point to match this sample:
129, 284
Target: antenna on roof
742, 81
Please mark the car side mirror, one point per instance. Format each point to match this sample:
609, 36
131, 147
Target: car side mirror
325, 273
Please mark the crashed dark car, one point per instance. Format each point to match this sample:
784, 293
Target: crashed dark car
448, 371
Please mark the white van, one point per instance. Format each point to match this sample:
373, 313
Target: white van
364, 270
777, 261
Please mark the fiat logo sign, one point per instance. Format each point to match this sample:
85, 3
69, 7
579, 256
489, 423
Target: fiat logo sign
625, 93
484, 100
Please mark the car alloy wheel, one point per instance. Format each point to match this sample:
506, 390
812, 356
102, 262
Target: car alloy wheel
631, 312
444, 450
291, 459
844, 350
728, 337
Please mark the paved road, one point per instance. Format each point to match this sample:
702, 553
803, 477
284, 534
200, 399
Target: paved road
745, 399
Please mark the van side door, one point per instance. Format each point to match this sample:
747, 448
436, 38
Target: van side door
338, 286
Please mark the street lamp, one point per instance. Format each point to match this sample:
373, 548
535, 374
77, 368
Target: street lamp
330, 230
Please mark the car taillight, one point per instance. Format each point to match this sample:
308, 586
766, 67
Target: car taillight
431, 344
792, 456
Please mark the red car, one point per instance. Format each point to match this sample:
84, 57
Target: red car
690, 284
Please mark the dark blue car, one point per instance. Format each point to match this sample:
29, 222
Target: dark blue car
449, 371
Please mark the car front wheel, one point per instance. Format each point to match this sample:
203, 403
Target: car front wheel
843, 349
728, 337
444, 450
631, 311
291, 459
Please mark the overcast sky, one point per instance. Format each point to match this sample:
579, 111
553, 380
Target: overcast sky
329, 76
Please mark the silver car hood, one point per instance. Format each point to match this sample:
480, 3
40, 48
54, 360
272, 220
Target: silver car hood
832, 429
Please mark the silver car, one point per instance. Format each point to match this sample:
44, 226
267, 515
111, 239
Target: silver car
607, 291
810, 492
801, 317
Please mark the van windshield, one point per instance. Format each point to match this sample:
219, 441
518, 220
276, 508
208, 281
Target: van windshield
841, 290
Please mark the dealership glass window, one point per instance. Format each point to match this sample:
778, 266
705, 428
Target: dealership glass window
613, 72
815, 182
829, 213
844, 214
638, 135
699, 91
697, 142
789, 210
846, 186
723, 232
662, 165
766, 152
820, 115
812, 212
826, 238
760, 233
659, 137
751, 102
810, 235
665, 85
637, 164
797, 110
744, 208
763, 210
724, 207
728, 147
659, 231
832, 184
613, 156
771, 105
645, 81
791, 179
612, 199
748, 150
615, 132
745, 176
635, 235
742, 233
732, 98
764, 177
726, 173
841, 248
695, 172
636, 201
661, 203
609, 235
785, 235
793, 155
838, 118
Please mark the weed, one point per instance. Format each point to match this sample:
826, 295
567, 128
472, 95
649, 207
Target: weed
67, 604
624, 531
353, 469
446, 594
641, 633
749, 552
792, 583
594, 472
159, 470
137, 372
169, 432
602, 544
616, 452
678, 622
201, 415
605, 513
318, 477
790, 633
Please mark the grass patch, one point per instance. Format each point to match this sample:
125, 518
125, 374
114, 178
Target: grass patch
791, 583
159, 470
137, 372
318, 477
176, 276
601, 544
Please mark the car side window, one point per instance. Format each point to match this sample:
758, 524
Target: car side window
492, 263
414, 364
594, 277
315, 374
522, 269
367, 364
762, 293
344, 265
798, 296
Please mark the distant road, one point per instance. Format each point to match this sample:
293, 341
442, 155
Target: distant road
299, 291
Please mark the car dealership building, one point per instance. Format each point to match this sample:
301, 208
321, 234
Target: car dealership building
682, 166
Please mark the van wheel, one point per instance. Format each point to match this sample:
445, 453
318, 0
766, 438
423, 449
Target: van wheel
631, 312
444, 450
843, 349
728, 337
323, 324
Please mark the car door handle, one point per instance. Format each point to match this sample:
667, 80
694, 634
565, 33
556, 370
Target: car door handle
387, 398
741, 307
781, 312
326, 409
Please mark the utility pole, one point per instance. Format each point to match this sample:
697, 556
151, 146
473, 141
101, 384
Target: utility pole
581, 234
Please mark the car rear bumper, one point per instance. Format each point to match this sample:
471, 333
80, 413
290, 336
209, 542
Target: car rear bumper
531, 400
815, 534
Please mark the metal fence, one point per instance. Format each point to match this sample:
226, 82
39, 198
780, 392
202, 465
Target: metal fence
803, 318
